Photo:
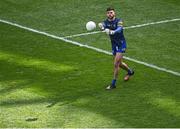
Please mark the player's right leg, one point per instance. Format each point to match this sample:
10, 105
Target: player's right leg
117, 61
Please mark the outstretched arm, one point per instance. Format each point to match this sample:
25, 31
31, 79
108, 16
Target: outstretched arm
118, 30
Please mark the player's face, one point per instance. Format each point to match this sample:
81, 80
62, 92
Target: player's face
110, 14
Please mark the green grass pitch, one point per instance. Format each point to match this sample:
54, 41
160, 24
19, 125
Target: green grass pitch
46, 82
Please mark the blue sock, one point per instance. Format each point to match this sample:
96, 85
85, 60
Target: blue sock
129, 71
113, 82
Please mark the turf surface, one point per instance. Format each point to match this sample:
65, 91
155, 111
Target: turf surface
49, 83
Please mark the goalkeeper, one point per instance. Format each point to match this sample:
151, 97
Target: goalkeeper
114, 28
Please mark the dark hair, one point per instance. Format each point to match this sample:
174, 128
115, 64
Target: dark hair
109, 9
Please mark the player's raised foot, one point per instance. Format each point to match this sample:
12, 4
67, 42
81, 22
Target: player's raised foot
110, 87
128, 75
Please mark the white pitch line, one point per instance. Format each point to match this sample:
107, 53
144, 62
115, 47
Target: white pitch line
82, 34
89, 47
130, 27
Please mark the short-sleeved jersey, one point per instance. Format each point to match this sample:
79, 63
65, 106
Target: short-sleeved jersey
113, 25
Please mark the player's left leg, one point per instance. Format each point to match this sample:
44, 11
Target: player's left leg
130, 72
123, 65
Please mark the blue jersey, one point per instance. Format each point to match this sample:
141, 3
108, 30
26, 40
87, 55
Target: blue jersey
113, 25
117, 40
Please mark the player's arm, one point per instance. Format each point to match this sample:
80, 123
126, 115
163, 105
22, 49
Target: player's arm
104, 28
119, 28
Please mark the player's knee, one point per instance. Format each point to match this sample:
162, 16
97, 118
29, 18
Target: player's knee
116, 64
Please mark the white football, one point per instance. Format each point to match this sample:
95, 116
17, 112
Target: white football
90, 25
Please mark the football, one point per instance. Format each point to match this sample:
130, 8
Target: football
90, 25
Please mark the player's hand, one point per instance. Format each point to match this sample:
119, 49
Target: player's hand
111, 32
101, 26
107, 31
